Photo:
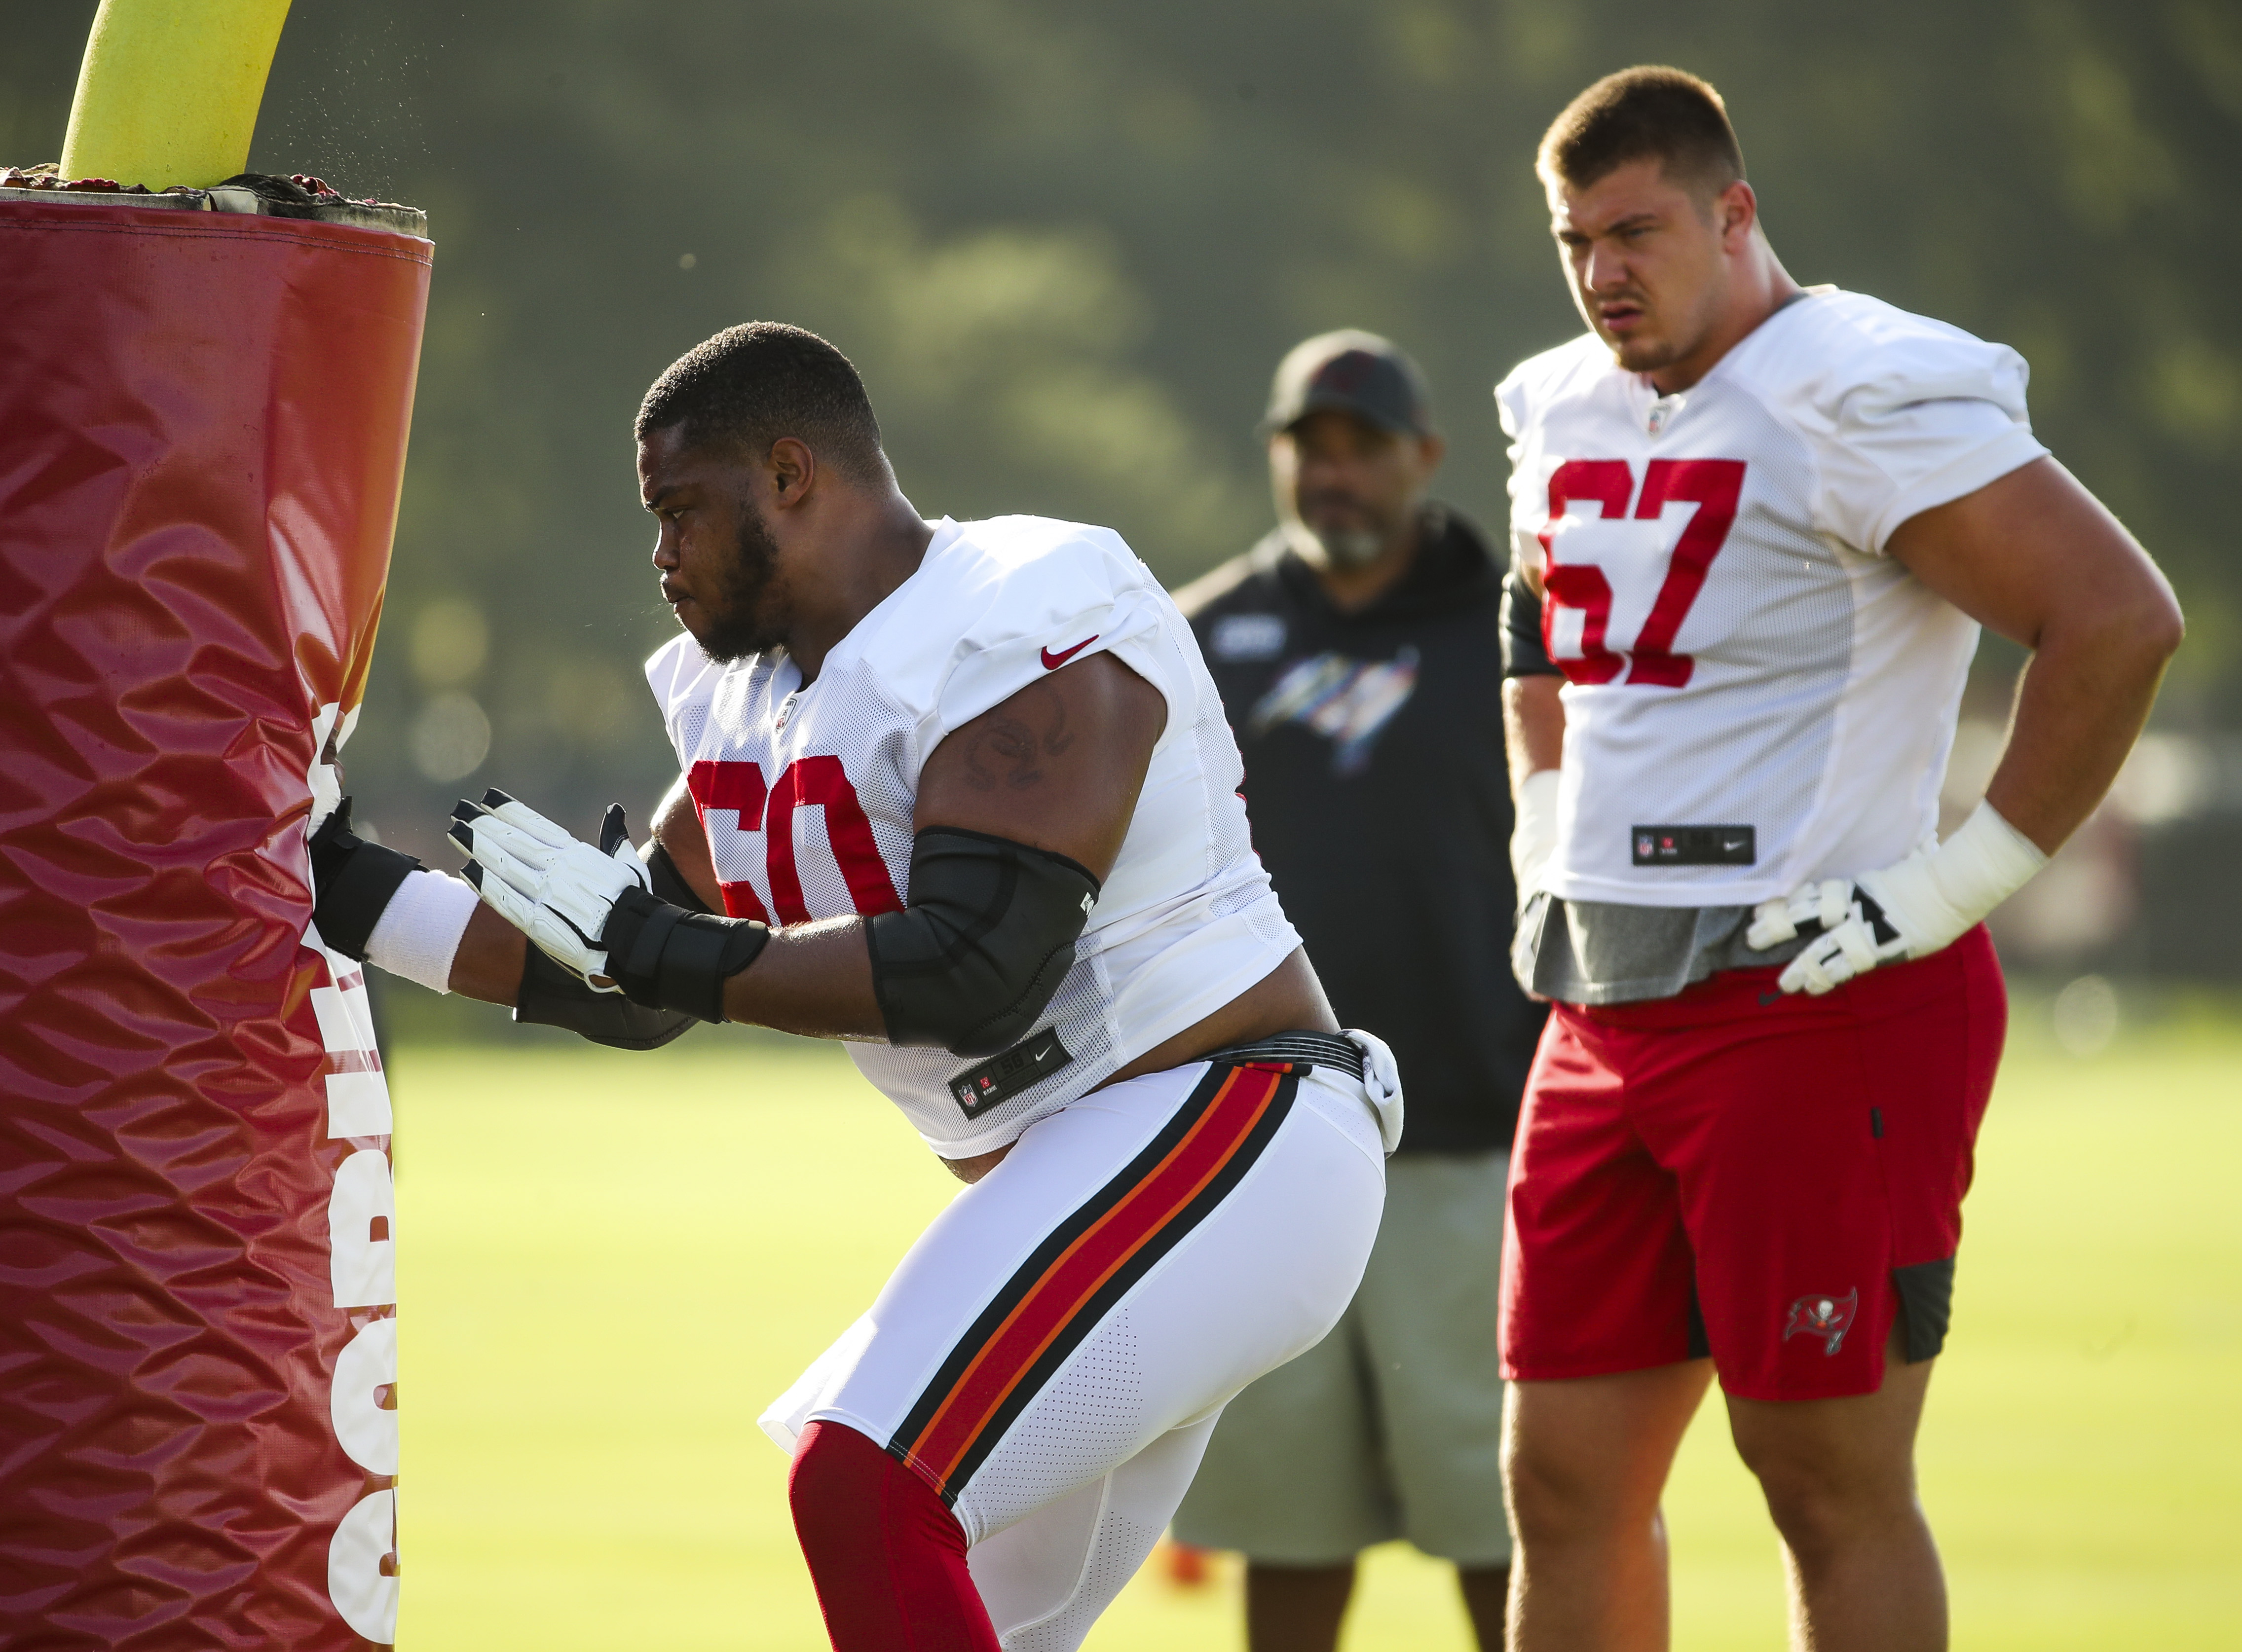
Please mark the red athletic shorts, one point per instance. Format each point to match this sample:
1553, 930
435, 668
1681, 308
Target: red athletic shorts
1766, 1177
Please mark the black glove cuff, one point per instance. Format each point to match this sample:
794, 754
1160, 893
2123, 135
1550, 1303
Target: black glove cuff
353, 883
667, 958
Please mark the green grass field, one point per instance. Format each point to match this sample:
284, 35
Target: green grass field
611, 1262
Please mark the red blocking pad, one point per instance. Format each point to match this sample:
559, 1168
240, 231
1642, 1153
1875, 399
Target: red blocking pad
203, 421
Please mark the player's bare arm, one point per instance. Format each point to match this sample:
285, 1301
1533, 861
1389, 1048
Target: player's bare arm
677, 830
2037, 558
1532, 726
1022, 772
1057, 766
489, 962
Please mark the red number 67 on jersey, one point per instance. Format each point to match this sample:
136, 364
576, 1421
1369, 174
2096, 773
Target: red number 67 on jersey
1713, 486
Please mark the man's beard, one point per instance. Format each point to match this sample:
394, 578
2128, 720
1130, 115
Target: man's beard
1646, 356
1344, 548
744, 617
1673, 344
1349, 547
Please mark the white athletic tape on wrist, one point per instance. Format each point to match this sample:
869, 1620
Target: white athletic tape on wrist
418, 932
1933, 899
1927, 902
1534, 837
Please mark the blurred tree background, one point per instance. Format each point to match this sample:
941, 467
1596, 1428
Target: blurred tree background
1067, 241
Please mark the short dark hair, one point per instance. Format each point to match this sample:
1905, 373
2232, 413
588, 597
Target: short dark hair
1648, 112
757, 382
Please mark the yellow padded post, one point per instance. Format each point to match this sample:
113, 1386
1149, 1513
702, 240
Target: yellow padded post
169, 89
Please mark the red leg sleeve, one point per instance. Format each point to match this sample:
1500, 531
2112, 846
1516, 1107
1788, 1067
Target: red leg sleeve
887, 1558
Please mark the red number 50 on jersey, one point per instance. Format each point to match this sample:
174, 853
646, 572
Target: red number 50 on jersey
819, 780
1713, 486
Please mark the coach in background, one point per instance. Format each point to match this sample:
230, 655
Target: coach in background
1357, 653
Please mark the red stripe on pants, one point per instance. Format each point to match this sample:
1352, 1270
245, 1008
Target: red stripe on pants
1052, 1300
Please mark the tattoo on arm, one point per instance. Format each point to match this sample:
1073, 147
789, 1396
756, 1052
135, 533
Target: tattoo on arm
1058, 736
1014, 747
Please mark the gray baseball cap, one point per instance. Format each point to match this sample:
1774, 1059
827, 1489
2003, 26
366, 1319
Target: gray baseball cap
1350, 372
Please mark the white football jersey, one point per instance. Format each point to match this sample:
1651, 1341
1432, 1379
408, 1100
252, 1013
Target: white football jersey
807, 794
1756, 694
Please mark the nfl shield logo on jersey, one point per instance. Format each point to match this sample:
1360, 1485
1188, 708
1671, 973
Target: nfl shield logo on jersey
1827, 1317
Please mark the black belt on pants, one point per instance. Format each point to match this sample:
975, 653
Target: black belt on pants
1302, 1049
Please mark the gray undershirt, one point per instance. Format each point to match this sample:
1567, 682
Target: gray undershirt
1600, 951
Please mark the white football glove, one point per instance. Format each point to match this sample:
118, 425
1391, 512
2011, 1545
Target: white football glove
1923, 905
555, 888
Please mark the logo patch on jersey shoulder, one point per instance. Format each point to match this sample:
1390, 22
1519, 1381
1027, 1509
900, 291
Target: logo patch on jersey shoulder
1827, 1317
1694, 846
1003, 1076
1052, 662
1237, 639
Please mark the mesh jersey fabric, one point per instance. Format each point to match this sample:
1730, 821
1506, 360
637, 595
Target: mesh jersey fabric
1738, 650
1603, 951
807, 792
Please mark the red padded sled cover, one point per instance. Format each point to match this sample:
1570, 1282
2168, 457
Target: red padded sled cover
201, 433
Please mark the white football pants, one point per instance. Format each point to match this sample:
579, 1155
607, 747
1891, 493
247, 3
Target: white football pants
1052, 1353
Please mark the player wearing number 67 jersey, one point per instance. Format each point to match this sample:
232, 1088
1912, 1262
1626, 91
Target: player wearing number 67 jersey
1757, 527
962, 794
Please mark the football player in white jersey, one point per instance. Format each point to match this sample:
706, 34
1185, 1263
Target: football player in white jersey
963, 794
1761, 525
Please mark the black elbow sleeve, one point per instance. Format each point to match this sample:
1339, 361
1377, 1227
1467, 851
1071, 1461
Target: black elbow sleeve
1523, 653
989, 935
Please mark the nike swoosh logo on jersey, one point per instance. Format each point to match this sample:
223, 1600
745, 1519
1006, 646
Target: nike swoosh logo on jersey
1052, 662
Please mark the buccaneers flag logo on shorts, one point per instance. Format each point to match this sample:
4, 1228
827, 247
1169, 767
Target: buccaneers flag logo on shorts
1827, 1317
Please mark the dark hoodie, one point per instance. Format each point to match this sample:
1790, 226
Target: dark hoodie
1379, 802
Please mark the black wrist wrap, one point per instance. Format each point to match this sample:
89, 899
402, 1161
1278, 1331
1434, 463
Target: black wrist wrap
989, 936
353, 883
666, 957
